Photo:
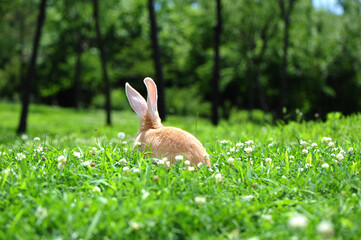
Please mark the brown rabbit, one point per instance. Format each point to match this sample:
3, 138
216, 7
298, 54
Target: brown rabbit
156, 140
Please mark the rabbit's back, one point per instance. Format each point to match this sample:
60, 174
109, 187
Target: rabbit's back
170, 142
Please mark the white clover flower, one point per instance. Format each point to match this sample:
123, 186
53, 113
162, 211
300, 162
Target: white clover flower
232, 149
270, 145
230, 160
39, 149
125, 149
121, 135
326, 139
206, 155
240, 144
135, 170
304, 151
200, 200
36, 139
301, 169
77, 154
269, 160
248, 149
20, 156
134, 225
223, 141
284, 177
178, 158
61, 165
249, 142
94, 150
145, 194
161, 162
303, 143
138, 143
126, 169
291, 157
350, 150
326, 229
164, 159
191, 168
314, 145
199, 165
41, 213
267, 217
219, 177
61, 158
297, 221
325, 165
167, 164
124, 142
123, 161
86, 163
307, 165
187, 162
228, 153
331, 144
61, 162
340, 156
248, 197
96, 189
24, 137
278, 167
2, 153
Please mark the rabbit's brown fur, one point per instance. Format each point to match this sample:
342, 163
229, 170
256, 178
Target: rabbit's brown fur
158, 141
170, 142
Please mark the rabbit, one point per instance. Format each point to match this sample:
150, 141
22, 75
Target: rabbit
158, 141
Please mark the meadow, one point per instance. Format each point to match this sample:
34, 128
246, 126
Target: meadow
71, 177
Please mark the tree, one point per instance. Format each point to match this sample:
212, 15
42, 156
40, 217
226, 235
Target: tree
216, 67
286, 7
28, 81
103, 61
157, 60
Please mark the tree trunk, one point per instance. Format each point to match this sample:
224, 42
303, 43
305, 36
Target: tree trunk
286, 17
157, 60
103, 61
216, 69
21, 47
28, 80
77, 73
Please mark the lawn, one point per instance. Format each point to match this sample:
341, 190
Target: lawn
71, 177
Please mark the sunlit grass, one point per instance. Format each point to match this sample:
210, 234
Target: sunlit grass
64, 180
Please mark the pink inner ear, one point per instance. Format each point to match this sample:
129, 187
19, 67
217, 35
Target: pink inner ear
152, 93
136, 101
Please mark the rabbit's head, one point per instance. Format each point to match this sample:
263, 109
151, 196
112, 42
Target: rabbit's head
147, 111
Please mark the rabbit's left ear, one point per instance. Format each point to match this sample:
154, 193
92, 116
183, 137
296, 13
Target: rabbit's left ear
136, 101
152, 94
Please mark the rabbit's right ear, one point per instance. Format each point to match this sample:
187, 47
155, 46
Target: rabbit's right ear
152, 94
136, 101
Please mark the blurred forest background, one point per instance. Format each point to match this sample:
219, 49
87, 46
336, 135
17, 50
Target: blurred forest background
210, 58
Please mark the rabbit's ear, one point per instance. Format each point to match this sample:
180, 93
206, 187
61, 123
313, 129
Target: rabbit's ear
152, 95
137, 102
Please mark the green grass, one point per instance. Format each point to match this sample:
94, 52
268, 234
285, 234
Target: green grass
94, 197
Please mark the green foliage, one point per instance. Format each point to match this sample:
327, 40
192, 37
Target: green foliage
323, 63
64, 180
185, 101
118, 99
